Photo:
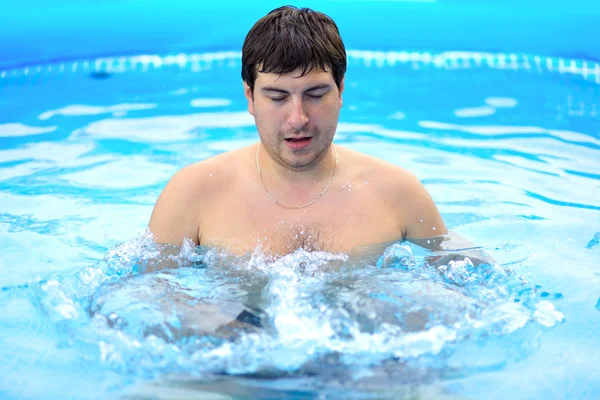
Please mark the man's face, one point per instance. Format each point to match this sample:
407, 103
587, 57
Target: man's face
296, 116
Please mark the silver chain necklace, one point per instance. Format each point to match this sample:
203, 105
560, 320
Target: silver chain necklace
307, 204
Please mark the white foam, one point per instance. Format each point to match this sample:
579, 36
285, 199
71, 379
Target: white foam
546, 314
490, 130
347, 127
77, 110
25, 169
163, 129
18, 129
63, 154
482, 111
205, 103
228, 145
123, 173
501, 102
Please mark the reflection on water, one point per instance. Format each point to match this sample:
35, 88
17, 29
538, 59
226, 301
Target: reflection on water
302, 315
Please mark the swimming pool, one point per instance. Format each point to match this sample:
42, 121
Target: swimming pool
507, 144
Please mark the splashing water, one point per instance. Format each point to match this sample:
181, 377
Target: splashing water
307, 313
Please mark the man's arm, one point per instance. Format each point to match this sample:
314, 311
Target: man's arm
175, 215
420, 216
424, 227
453, 247
175, 219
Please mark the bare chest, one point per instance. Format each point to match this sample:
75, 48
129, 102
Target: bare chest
339, 222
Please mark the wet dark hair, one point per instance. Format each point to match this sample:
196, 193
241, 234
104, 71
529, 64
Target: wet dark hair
289, 38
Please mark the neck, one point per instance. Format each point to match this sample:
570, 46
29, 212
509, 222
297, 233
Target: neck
294, 189
309, 175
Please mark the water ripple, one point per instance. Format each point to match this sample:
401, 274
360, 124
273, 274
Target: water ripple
222, 314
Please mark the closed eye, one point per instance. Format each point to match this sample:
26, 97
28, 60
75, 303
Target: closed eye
317, 92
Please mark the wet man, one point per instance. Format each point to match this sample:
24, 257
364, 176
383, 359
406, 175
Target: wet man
294, 188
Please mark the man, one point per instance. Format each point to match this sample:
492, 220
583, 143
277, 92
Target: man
294, 188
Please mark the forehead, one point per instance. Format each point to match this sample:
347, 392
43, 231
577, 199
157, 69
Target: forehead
294, 79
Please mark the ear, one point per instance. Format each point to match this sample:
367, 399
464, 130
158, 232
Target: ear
248, 94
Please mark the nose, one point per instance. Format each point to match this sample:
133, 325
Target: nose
298, 117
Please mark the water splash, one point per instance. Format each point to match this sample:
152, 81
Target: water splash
297, 314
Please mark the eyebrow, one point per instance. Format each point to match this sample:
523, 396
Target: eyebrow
310, 89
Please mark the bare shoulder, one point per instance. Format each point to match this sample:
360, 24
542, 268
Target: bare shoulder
176, 214
210, 175
196, 182
382, 174
399, 188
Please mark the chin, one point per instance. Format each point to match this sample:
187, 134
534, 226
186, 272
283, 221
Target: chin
300, 163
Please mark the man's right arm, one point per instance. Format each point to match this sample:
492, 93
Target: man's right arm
175, 215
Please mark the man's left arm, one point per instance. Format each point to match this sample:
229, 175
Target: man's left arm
419, 215
425, 227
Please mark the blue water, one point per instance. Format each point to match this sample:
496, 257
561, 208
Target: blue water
507, 146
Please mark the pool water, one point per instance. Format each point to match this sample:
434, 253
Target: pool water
508, 146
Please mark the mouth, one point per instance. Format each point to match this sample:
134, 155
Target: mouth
298, 143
